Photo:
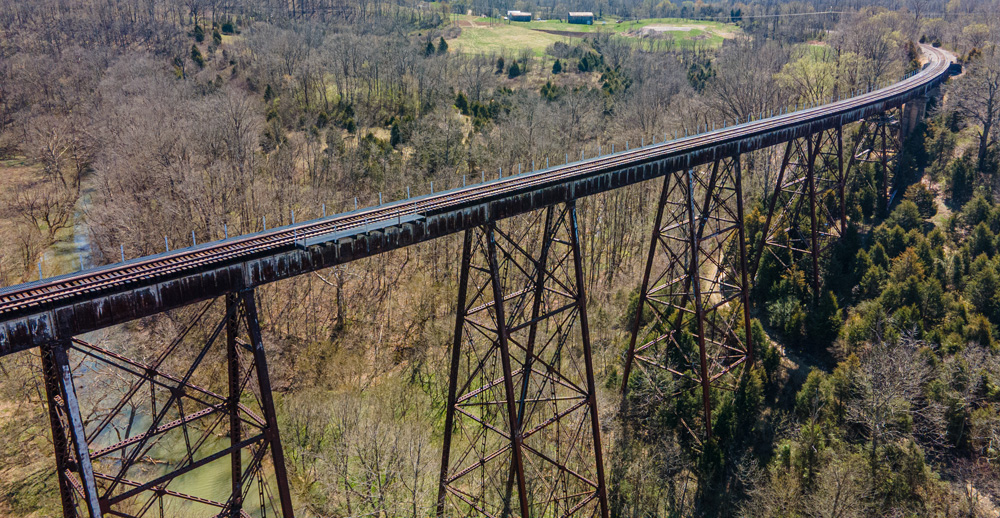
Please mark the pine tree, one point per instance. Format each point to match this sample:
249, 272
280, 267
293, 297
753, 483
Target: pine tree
514, 70
429, 49
462, 103
197, 57
825, 318
500, 65
442, 46
216, 37
395, 138
557, 67
268, 94
199, 34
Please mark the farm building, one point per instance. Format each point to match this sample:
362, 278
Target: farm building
518, 16
581, 17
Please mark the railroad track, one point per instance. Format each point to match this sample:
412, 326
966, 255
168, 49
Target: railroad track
26, 297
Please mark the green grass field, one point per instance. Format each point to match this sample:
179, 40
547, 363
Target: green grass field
479, 37
503, 37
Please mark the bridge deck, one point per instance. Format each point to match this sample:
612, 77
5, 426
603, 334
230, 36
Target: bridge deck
61, 307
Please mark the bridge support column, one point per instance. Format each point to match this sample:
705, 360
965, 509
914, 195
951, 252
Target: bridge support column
807, 208
522, 435
912, 113
64, 415
878, 142
697, 302
189, 393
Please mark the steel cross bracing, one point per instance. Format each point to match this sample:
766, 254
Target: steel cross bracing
522, 436
693, 316
48, 310
695, 284
807, 206
152, 421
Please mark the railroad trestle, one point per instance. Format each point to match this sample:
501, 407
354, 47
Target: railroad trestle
522, 433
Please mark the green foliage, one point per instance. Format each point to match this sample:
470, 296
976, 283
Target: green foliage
906, 215
977, 210
429, 49
860, 266
442, 47
912, 56
788, 315
591, 62
824, 321
913, 157
462, 103
513, 71
981, 241
216, 37
395, 138
199, 34
500, 65
614, 82
197, 57
699, 73
551, 92
482, 112
557, 67
962, 179
983, 288
767, 354
710, 467
923, 198
229, 27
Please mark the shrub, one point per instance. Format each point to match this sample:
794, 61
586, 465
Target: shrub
197, 57
513, 71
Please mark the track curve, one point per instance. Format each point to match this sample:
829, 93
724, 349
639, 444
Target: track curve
24, 300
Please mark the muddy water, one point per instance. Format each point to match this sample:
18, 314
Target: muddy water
211, 481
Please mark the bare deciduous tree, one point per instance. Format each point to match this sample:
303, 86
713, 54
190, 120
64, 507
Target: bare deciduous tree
977, 95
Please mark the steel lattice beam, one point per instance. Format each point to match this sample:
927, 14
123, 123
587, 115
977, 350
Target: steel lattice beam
522, 434
695, 284
123, 461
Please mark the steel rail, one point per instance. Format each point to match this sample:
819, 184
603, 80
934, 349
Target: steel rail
35, 296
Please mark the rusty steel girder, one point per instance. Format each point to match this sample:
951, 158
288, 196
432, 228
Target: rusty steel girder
699, 288
153, 421
45, 310
522, 436
705, 264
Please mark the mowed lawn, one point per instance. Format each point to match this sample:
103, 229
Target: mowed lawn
478, 36
500, 38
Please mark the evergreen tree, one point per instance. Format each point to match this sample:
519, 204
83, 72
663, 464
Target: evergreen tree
825, 320
216, 37
514, 70
268, 94
963, 177
395, 138
442, 46
500, 65
429, 49
924, 199
197, 57
557, 67
462, 103
550, 92
982, 290
199, 34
